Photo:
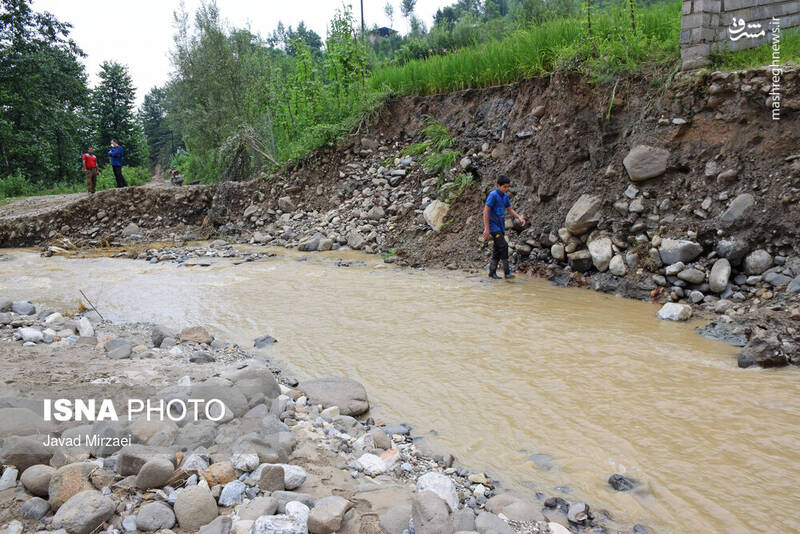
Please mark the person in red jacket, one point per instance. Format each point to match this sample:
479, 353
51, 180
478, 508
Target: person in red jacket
90, 168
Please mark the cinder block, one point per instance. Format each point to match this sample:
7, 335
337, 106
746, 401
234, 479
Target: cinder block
733, 5
686, 7
695, 20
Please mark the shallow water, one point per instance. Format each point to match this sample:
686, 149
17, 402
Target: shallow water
510, 375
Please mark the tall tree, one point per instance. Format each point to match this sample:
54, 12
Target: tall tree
407, 7
389, 10
42, 92
113, 112
162, 141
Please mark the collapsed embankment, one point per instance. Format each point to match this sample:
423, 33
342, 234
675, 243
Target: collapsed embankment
685, 193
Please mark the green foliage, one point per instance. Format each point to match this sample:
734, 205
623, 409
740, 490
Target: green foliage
17, 185
416, 149
42, 95
451, 192
757, 57
162, 141
112, 115
438, 135
555, 44
438, 162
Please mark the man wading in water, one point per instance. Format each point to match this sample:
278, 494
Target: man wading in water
494, 223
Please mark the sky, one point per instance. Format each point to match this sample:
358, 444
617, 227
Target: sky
139, 34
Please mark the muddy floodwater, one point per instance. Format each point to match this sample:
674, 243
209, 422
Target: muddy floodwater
541, 387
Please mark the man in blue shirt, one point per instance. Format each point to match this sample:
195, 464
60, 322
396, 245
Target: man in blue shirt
116, 163
494, 224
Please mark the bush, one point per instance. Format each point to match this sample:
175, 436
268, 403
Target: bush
133, 175
15, 185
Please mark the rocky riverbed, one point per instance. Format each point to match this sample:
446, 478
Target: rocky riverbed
280, 456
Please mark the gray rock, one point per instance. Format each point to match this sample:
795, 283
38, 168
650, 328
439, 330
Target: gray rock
310, 245
738, 210
696, 296
637, 205
380, 438
36, 479
31, 335
578, 512
346, 393
264, 341
580, 261
283, 497
201, 356
327, 515
675, 250
644, 162
121, 352
734, 250
231, 396
720, 275
557, 251
584, 214
5, 304
601, 252
273, 448
9, 478
221, 525
155, 516
85, 328
431, 514
84, 512
672, 311
621, 482
777, 279
34, 509
395, 520
441, 485
794, 286
195, 507
285, 204
617, 266
23, 452
154, 473
355, 240
256, 383
258, 507
160, 333
232, 493
693, 276
376, 213
757, 262
488, 521
277, 524
464, 520
23, 307
131, 229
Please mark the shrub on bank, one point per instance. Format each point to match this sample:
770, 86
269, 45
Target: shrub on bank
17, 185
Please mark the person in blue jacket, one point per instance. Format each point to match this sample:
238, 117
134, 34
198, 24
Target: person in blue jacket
116, 163
494, 224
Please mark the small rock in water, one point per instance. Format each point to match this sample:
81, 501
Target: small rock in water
264, 341
621, 482
578, 512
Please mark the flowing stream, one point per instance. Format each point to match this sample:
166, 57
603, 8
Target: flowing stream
541, 387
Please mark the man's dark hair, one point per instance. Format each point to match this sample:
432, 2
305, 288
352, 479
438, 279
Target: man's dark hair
503, 180
114, 139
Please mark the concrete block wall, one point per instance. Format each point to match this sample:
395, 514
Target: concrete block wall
706, 24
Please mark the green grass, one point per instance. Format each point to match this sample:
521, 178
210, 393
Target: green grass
17, 186
761, 56
612, 49
438, 162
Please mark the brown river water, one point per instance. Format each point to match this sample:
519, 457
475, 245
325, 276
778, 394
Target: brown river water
541, 387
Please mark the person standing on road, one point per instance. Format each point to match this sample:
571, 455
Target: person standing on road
116, 163
90, 169
494, 224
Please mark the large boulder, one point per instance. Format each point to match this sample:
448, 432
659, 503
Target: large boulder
197, 334
757, 262
644, 162
231, 396
580, 261
720, 274
488, 521
435, 213
431, 514
23, 422
255, 383
84, 512
672, 311
601, 252
258, 507
395, 520
36, 479
154, 474
734, 250
195, 507
675, 250
584, 214
272, 448
154, 516
346, 393
514, 508
441, 485
68, 481
763, 350
327, 515
738, 210
23, 307
24, 452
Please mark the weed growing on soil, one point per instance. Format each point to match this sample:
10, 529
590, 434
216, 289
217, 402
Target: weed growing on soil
612, 48
452, 191
17, 186
438, 162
